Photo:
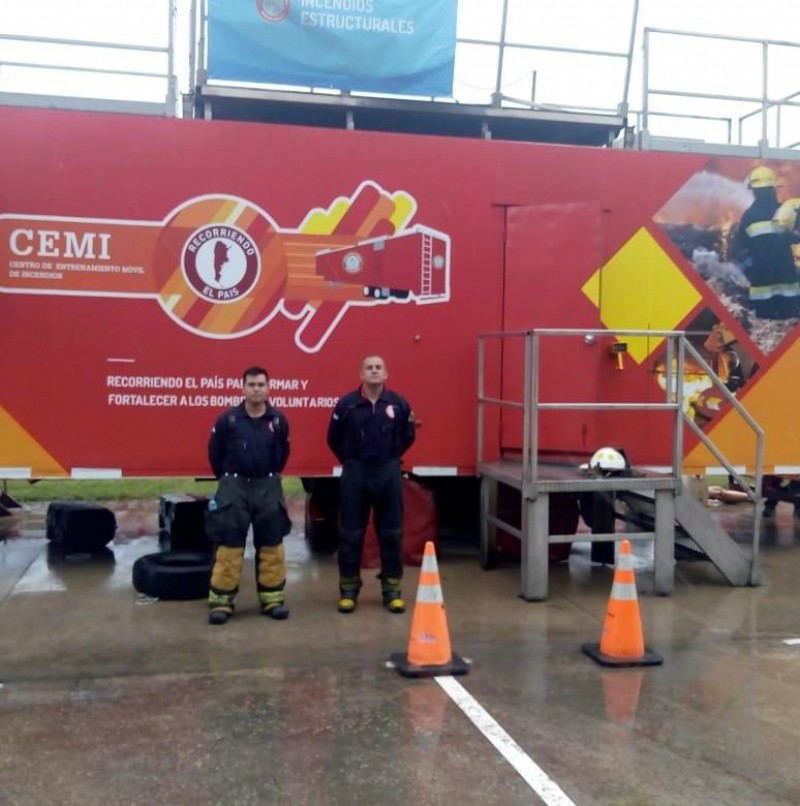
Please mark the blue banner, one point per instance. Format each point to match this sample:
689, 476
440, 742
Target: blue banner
403, 47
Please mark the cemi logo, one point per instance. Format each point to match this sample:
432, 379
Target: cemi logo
273, 10
221, 267
221, 263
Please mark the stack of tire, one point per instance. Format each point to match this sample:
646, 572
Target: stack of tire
182, 570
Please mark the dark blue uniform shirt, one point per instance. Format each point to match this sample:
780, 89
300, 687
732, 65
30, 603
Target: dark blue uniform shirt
372, 433
253, 447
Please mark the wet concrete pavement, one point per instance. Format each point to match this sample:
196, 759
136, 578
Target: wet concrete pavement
108, 697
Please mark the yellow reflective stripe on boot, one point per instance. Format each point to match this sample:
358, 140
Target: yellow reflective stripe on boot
221, 601
227, 568
271, 597
271, 566
350, 586
391, 584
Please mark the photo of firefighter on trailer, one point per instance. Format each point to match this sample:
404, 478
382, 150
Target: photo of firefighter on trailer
729, 358
742, 235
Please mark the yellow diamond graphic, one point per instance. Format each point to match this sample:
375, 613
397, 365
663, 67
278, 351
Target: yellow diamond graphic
640, 288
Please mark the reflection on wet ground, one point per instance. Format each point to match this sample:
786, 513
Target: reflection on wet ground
110, 697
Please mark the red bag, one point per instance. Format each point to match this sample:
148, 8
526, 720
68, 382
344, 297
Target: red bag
419, 526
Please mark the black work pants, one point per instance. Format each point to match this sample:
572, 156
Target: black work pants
377, 488
242, 502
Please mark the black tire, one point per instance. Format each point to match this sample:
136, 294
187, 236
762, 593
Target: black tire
173, 575
80, 526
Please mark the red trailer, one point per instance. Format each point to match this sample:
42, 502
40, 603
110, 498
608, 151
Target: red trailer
145, 262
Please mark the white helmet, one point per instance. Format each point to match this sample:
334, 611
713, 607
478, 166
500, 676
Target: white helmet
606, 459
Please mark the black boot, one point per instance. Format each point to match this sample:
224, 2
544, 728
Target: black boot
219, 616
349, 588
392, 595
348, 599
277, 611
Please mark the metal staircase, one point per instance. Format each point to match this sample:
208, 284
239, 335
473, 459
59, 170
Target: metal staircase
537, 479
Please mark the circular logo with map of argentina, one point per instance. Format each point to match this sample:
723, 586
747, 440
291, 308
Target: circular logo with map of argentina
273, 10
221, 263
219, 266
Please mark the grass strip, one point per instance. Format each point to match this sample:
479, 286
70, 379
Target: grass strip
118, 489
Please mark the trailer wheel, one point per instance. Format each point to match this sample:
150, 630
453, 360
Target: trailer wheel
173, 575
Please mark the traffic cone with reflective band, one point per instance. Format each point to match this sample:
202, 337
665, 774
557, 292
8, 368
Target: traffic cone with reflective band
429, 651
622, 642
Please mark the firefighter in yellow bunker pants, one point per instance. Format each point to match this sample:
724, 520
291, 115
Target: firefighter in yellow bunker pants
248, 449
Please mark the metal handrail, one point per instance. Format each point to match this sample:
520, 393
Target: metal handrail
779, 105
199, 39
753, 494
168, 75
677, 347
763, 101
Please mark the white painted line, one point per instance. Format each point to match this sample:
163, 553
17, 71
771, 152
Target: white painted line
121, 360
536, 778
791, 641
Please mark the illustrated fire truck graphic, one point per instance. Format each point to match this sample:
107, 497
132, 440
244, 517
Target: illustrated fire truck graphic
221, 267
409, 265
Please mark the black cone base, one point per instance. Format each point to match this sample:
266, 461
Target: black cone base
648, 659
457, 666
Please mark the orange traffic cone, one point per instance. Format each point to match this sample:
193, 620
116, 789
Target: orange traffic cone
429, 652
622, 642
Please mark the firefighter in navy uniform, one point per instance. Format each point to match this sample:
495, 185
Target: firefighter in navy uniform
248, 449
369, 432
766, 252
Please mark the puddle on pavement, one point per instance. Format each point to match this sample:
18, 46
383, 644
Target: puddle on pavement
137, 534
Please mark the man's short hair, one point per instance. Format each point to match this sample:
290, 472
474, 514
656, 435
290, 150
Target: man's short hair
251, 372
372, 355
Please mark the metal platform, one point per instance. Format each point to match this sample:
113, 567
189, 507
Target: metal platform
553, 477
526, 468
535, 537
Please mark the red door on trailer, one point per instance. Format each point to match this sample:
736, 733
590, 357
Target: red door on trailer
551, 252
